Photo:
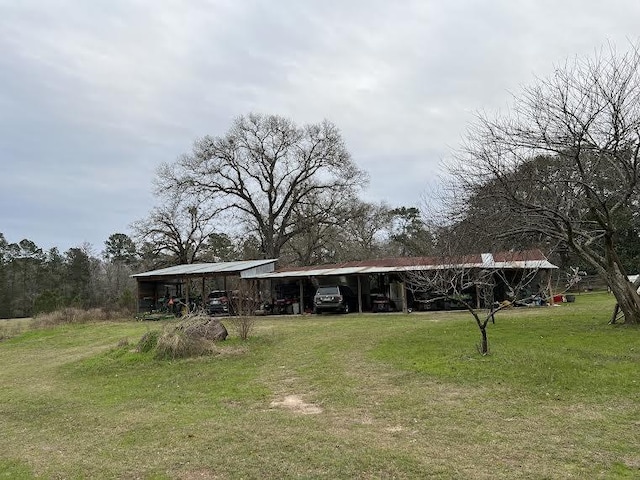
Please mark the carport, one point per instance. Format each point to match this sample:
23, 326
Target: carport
352, 274
358, 274
151, 286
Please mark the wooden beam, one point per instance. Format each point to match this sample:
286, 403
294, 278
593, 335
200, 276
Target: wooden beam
301, 298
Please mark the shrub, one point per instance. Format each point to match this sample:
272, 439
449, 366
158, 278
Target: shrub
149, 341
243, 325
193, 336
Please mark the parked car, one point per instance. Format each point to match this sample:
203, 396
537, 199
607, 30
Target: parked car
219, 303
334, 298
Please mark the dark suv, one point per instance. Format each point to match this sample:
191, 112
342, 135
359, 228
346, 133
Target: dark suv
334, 298
218, 303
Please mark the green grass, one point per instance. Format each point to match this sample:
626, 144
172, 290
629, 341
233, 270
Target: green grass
357, 396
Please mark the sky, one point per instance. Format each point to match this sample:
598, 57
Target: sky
95, 95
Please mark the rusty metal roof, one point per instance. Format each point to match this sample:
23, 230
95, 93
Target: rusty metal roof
531, 259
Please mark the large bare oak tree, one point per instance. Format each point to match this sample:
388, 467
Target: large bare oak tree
266, 171
564, 164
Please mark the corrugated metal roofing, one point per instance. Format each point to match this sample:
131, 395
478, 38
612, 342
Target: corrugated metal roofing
532, 259
199, 269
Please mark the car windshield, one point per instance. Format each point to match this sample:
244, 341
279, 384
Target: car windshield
217, 294
327, 291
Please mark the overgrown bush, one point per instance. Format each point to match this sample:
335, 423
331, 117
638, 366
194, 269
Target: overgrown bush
177, 344
193, 336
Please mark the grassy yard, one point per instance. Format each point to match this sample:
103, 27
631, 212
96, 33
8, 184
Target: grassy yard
357, 396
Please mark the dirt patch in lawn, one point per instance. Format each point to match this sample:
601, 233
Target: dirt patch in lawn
296, 404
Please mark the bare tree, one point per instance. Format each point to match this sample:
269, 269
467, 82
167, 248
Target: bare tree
367, 232
564, 164
351, 229
245, 302
317, 245
320, 220
481, 286
264, 170
180, 226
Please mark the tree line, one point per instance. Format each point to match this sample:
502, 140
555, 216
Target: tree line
35, 281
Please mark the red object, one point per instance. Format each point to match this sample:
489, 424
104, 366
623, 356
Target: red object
558, 299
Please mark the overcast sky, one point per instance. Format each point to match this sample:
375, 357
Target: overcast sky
94, 95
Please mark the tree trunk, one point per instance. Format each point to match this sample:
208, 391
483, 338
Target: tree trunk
626, 296
484, 346
613, 272
614, 315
